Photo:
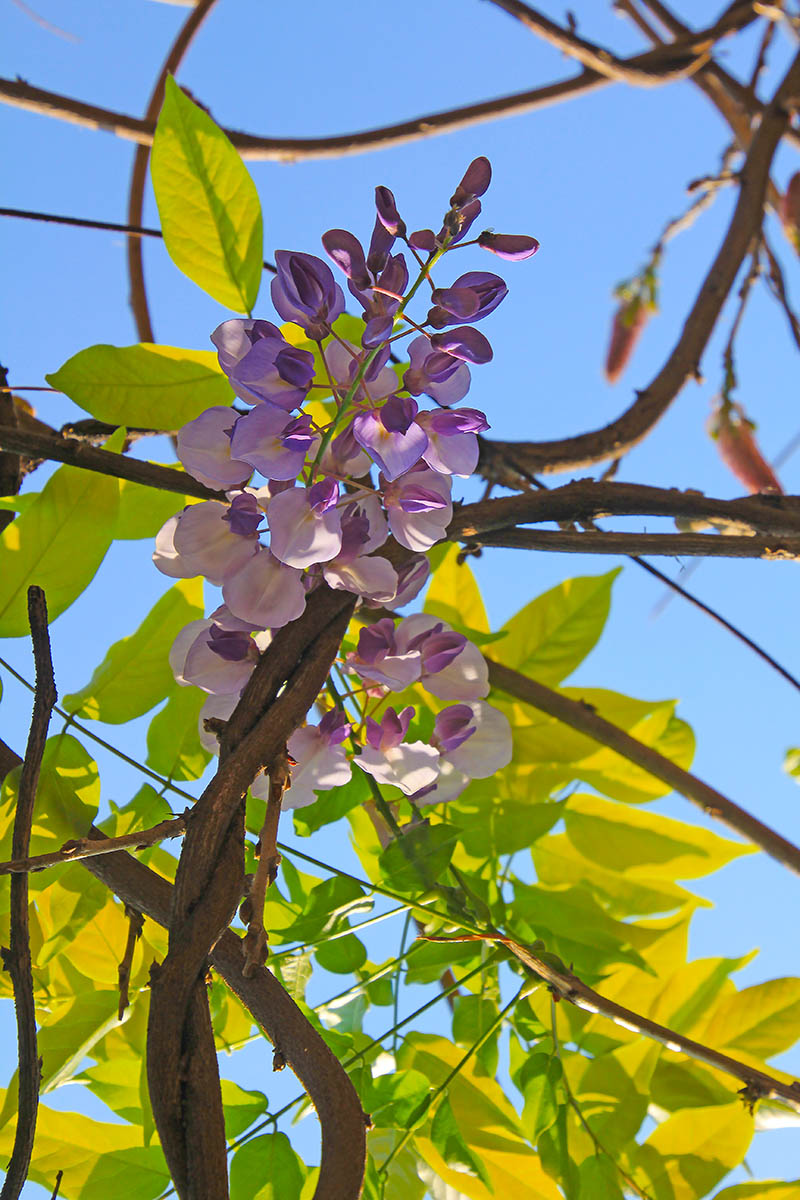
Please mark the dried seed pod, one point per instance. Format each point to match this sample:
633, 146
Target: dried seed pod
626, 329
734, 435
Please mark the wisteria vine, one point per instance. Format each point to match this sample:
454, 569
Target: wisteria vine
326, 514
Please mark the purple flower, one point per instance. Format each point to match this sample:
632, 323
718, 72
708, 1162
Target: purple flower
475, 181
391, 436
378, 659
347, 252
388, 215
410, 766
441, 376
320, 761
275, 447
265, 592
411, 579
204, 448
203, 541
452, 667
472, 297
305, 524
305, 291
453, 726
452, 442
211, 658
244, 515
463, 342
418, 508
261, 365
423, 240
484, 749
511, 246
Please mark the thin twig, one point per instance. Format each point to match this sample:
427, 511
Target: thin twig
777, 287
88, 847
255, 946
59, 1177
17, 959
672, 545
138, 293
135, 926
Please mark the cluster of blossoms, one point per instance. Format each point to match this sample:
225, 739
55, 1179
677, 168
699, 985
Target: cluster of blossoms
326, 513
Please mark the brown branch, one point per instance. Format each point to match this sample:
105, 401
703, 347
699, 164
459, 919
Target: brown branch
17, 959
685, 56
138, 293
59, 1177
701, 545
10, 469
89, 458
587, 499
256, 942
585, 720
777, 287
508, 462
208, 889
88, 847
135, 925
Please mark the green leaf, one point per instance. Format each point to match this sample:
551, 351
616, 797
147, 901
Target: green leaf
294, 972
397, 1100
553, 634
420, 858
341, 956
332, 805
66, 798
768, 1189
143, 510
57, 543
208, 204
153, 387
242, 1107
472, 1016
692, 1150
644, 843
599, 1177
17, 504
454, 594
135, 673
541, 1076
762, 1020
266, 1168
173, 739
449, 1141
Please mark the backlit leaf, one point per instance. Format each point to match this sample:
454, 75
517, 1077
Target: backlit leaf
693, 1150
208, 204
266, 1168
57, 543
135, 673
149, 386
173, 738
553, 634
454, 594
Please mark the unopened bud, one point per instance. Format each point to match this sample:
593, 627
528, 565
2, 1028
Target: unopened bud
734, 435
511, 246
629, 321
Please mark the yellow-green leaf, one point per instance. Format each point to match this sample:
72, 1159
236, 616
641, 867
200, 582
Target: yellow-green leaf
57, 543
645, 843
152, 387
454, 594
135, 673
66, 798
208, 204
762, 1020
549, 637
692, 1150
173, 739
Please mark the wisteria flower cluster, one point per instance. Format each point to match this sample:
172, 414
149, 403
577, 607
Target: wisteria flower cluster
311, 499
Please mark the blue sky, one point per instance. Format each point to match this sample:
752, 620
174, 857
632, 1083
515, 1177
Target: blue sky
595, 179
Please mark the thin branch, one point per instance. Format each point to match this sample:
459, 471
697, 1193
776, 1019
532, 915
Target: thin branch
507, 462
687, 55
88, 847
139, 231
673, 545
777, 287
59, 1177
17, 959
10, 467
138, 294
79, 454
585, 720
135, 926
290, 150
256, 942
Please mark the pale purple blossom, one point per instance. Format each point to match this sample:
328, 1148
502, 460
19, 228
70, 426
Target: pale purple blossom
355, 568
418, 508
202, 540
305, 524
320, 761
261, 365
219, 707
214, 659
409, 766
463, 342
304, 291
274, 446
379, 659
391, 435
204, 448
441, 376
411, 579
452, 442
265, 592
462, 675
474, 742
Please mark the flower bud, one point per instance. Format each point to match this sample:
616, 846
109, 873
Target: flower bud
734, 435
511, 246
629, 321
